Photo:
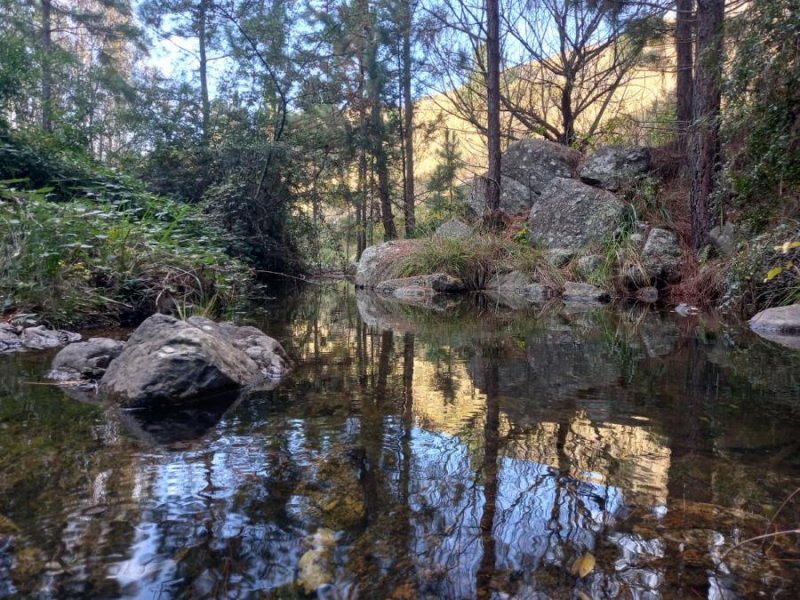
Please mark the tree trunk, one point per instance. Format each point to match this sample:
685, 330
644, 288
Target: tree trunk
408, 122
47, 74
202, 41
493, 103
382, 171
684, 25
705, 149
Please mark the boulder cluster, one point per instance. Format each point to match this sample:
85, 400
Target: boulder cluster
573, 207
169, 362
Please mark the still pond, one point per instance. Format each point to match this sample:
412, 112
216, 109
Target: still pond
459, 451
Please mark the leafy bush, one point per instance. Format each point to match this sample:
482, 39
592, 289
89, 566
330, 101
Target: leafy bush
120, 255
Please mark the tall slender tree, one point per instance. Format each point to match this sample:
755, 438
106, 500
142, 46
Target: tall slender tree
684, 40
493, 103
705, 142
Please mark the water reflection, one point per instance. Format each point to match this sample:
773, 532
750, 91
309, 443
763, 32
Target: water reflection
420, 453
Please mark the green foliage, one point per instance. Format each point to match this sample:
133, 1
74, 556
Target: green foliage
762, 122
97, 255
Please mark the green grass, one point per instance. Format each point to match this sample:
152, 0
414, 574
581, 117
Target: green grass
105, 257
475, 258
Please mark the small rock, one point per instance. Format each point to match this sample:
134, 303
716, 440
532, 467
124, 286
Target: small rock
40, 338
442, 282
590, 263
610, 167
85, 360
9, 338
661, 256
454, 229
559, 257
648, 295
316, 565
536, 292
685, 310
723, 239
584, 292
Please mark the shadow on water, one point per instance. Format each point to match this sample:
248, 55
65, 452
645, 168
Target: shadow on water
471, 449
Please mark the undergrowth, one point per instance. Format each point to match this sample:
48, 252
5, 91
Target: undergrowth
110, 257
476, 258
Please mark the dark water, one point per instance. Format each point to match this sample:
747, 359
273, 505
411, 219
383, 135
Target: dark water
422, 453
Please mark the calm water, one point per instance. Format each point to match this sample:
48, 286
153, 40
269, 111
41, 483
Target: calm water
421, 453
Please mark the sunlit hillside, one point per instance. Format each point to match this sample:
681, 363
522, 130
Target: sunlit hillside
636, 101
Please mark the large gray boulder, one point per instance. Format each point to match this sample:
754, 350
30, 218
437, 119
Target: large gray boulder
610, 167
535, 163
571, 215
379, 263
85, 360
661, 256
168, 362
514, 197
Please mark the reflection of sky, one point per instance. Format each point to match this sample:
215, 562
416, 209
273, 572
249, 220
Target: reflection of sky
539, 514
194, 503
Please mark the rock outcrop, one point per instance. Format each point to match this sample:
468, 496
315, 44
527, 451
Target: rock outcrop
610, 167
379, 263
571, 215
167, 362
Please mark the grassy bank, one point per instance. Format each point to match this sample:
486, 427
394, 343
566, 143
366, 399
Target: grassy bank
110, 254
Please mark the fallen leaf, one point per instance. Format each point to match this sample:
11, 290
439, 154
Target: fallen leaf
583, 565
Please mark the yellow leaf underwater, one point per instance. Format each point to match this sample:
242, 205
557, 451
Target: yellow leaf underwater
583, 565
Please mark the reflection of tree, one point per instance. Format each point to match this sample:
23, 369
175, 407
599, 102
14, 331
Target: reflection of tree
491, 448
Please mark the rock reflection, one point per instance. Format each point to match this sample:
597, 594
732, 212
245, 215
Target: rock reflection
418, 453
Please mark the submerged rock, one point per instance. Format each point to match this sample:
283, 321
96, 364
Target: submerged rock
85, 360
571, 215
167, 361
315, 567
610, 167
